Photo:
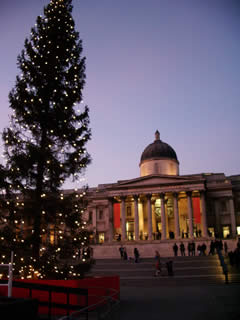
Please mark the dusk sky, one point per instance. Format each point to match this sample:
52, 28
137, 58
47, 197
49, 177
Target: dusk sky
171, 65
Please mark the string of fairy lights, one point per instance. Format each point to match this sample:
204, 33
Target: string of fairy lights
40, 56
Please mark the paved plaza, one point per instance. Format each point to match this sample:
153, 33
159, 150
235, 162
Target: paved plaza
196, 291
208, 302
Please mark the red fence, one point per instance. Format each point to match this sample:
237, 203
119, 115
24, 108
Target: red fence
98, 287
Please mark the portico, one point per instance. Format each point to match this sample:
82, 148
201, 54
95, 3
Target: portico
163, 217
161, 205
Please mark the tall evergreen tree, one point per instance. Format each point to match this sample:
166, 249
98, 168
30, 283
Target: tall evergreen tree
45, 143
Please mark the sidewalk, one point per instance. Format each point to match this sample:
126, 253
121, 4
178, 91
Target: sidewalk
208, 302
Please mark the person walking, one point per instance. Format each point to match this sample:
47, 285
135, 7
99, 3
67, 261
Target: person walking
193, 248
169, 265
121, 250
204, 247
158, 269
189, 249
175, 249
136, 255
199, 249
182, 249
212, 248
225, 271
225, 248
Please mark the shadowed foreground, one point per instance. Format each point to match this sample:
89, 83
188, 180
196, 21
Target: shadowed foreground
204, 302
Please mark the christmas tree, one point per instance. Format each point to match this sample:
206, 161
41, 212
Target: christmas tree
45, 145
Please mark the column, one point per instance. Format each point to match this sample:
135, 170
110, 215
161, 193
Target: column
123, 218
163, 217
176, 215
110, 214
136, 217
94, 222
190, 214
149, 212
217, 218
94, 218
204, 215
141, 220
232, 217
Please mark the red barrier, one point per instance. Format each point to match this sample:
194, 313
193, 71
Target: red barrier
98, 287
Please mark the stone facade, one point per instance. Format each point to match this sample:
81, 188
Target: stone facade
164, 207
167, 203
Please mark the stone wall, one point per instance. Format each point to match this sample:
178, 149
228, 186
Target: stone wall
147, 250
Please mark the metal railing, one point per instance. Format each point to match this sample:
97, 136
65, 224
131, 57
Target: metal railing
10, 275
107, 308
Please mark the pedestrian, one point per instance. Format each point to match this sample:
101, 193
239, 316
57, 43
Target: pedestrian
136, 255
175, 249
121, 250
189, 249
204, 247
182, 249
212, 248
199, 249
193, 248
225, 248
225, 271
125, 256
158, 269
169, 265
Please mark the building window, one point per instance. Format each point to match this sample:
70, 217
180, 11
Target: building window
100, 216
129, 212
101, 237
238, 230
211, 232
90, 217
226, 231
155, 168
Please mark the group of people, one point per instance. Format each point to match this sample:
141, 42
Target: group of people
218, 245
215, 246
124, 255
159, 265
234, 256
191, 248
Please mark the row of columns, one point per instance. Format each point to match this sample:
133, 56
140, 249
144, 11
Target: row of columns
232, 216
163, 216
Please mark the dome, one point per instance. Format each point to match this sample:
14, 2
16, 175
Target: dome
159, 158
158, 149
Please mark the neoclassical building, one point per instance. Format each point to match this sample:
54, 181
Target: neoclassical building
161, 205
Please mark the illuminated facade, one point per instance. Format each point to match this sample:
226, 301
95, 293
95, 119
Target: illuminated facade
161, 205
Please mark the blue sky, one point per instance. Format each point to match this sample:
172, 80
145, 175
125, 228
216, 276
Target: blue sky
159, 64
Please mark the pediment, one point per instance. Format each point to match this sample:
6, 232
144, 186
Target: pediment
153, 180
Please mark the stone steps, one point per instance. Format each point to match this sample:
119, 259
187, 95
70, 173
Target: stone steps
187, 271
